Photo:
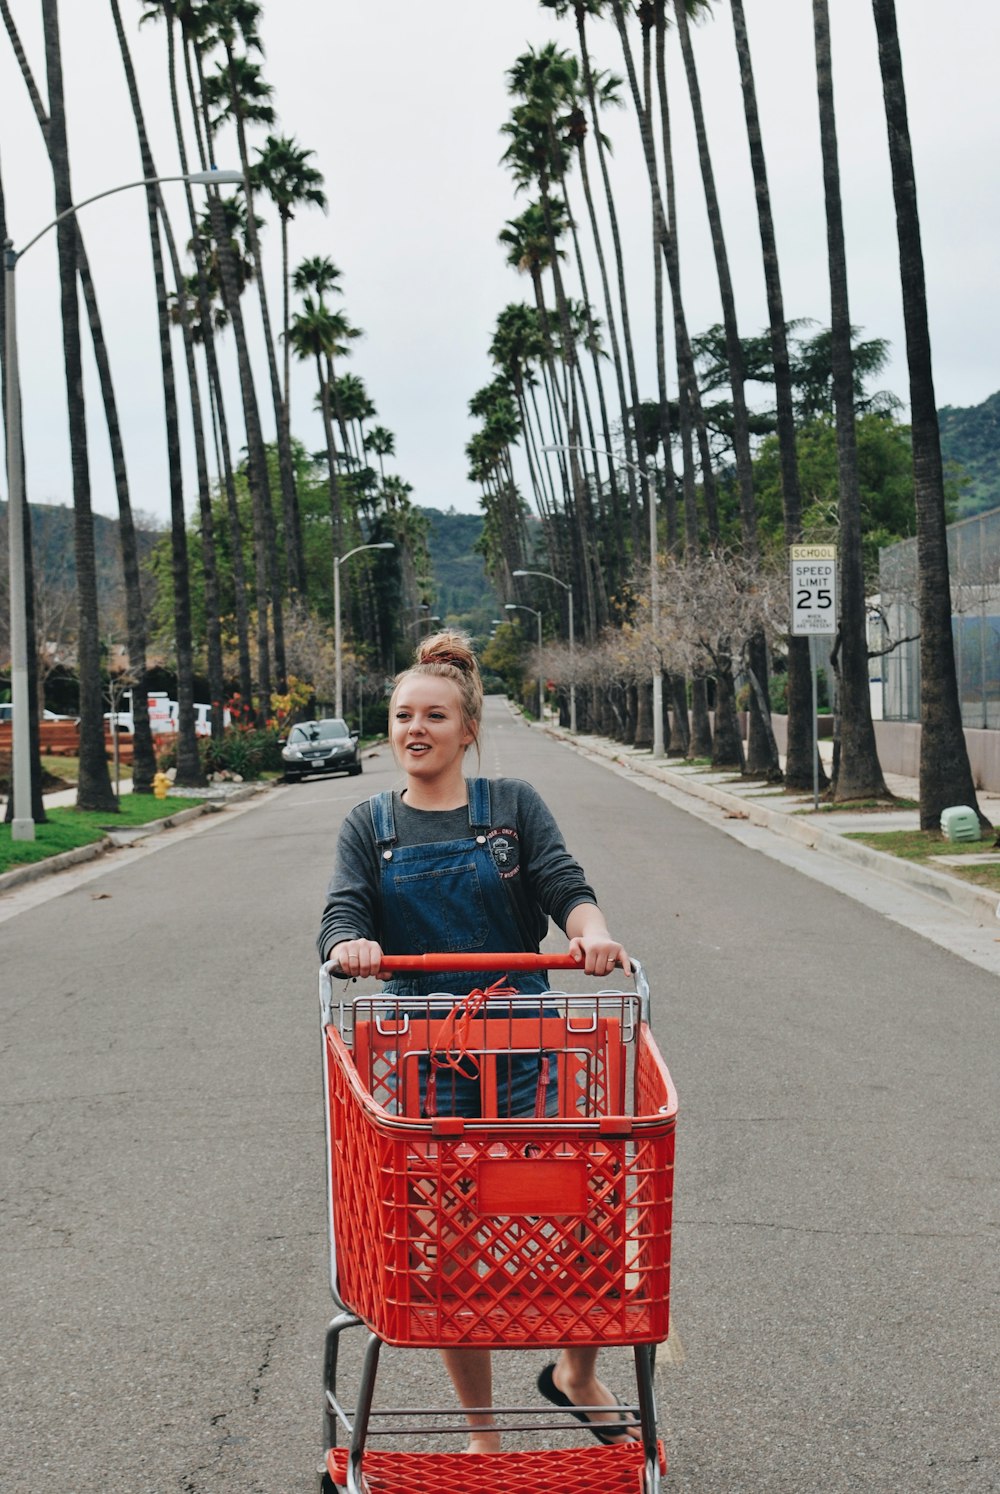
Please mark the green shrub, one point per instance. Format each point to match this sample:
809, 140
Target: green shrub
245, 750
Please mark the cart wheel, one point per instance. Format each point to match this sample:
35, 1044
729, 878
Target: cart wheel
327, 1485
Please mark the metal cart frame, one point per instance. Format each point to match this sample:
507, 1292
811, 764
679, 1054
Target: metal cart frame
389, 1168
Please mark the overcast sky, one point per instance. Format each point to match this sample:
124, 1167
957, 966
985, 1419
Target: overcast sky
402, 104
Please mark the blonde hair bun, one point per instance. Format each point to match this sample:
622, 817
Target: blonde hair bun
448, 648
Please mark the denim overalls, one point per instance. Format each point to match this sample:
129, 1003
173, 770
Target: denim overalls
446, 897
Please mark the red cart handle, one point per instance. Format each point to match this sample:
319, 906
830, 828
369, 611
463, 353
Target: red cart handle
519, 960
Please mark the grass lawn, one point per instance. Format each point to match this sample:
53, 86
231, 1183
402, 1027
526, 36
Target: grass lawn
68, 769
855, 806
922, 845
69, 828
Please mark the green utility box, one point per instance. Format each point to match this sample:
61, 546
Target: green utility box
960, 824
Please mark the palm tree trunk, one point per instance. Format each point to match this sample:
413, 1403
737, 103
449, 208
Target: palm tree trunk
616, 357
760, 753
286, 470
945, 772
858, 775
588, 312
268, 596
633, 457
94, 789
143, 751
666, 435
215, 390
690, 417
143, 759
189, 769
212, 618
799, 750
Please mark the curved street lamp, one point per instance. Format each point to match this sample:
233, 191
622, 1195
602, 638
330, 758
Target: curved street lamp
572, 647
23, 824
338, 560
654, 579
519, 607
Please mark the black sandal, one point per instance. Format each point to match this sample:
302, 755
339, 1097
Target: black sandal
611, 1433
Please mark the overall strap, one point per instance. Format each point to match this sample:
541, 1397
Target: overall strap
383, 820
480, 817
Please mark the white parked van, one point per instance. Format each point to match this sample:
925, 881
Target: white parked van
163, 715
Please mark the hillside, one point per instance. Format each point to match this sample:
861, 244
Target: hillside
54, 554
970, 441
461, 587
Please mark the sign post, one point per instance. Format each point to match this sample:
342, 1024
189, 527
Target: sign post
813, 578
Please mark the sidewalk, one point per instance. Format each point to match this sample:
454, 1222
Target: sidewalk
791, 815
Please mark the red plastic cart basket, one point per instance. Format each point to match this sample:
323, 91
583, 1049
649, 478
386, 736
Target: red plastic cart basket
499, 1232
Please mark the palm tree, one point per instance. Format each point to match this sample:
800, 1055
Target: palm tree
857, 775
799, 749
221, 255
238, 93
383, 443
518, 345
320, 275
144, 758
314, 333
545, 80
689, 405
760, 750
602, 90
284, 173
209, 318
189, 769
94, 790
945, 773
691, 422
200, 37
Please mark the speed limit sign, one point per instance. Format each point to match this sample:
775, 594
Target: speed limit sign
814, 589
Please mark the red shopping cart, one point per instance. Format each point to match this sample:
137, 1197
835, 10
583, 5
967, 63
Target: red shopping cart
495, 1229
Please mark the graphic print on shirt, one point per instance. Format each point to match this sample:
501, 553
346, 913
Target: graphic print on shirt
505, 848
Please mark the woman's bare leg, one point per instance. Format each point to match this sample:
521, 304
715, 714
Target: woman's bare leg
471, 1372
575, 1374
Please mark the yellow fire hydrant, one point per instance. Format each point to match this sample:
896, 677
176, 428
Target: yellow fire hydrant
161, 783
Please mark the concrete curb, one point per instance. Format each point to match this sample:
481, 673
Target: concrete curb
976, 902
52, 864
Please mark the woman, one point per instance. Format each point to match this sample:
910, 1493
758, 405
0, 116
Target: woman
448, 864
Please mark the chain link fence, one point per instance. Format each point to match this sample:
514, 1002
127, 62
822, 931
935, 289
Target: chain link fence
974, 564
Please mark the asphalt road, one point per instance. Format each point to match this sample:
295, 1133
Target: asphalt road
164, 1258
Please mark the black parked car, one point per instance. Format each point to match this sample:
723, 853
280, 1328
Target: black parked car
320, 747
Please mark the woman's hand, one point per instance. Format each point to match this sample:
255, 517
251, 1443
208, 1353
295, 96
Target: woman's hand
599, 954
591, 945
357, 957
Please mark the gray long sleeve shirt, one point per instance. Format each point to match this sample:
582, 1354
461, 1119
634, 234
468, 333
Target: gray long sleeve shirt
544, 879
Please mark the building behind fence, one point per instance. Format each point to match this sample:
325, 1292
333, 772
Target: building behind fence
974, 563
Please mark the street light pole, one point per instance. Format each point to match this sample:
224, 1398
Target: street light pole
654, 580
572, 647
23, 824
338, 560
517, 607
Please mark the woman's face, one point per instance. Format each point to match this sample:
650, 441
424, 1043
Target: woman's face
428, 733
